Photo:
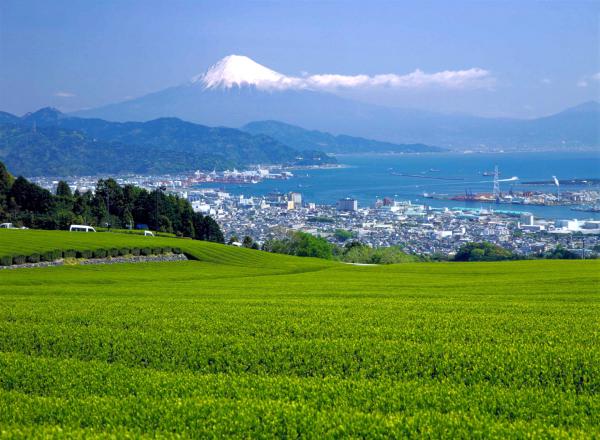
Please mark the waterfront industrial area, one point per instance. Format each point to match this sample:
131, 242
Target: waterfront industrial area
417, 227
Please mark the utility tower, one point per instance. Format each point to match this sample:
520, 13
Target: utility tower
496, 184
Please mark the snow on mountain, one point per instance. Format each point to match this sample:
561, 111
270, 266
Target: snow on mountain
238, 71
237, 90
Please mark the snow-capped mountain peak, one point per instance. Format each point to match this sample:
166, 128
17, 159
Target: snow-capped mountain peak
239, 71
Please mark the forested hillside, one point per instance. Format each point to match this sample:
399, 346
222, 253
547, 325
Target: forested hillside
48, 142
26, 204
298, 137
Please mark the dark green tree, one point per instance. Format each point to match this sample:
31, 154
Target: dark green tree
483, 251
63, 190
247, 242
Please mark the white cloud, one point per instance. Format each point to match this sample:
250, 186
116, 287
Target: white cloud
546, 81
63, 94
585, 81
237, 70
453, 79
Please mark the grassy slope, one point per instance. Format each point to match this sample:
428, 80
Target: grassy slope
248, 343
16, 241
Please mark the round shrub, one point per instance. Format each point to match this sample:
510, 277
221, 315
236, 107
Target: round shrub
145, 251
124, 251
70, 253
166, 250
19, 259
84, 254
135, 251
176, 250
6, 260
99, 253
113, 252
33, 258
47, 256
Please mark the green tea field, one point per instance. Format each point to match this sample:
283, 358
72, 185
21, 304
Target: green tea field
246, 344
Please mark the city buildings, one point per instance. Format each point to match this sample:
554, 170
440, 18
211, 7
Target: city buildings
418, 228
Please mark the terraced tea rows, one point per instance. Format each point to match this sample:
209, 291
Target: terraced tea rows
26, 242
247, 344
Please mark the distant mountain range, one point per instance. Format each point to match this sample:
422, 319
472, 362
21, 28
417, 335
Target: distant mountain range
300, 138
48, 142
237, 91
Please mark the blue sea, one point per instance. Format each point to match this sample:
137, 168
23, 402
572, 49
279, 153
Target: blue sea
368, 177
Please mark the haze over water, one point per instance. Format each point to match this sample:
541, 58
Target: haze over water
369, 177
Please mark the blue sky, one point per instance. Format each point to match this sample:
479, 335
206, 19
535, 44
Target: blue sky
538, 57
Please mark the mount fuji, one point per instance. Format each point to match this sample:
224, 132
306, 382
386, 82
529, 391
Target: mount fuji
237, 90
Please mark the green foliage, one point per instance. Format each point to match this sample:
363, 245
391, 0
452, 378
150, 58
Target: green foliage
298, 137
49, 254
99, 253
560, 253
63, 190
301, 244
233, 239
74, 146
358, 253
120, 207
85, 253
6, 260
343, 235
30, 197
19, 259
33, 258
244, 343
70, 253
247, 242
483, 251
205, 228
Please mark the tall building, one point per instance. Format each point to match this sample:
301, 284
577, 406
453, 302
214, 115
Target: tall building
347, 204
296, 197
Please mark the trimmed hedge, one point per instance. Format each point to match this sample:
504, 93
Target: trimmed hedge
100, 253
57, 254
70, 253
84, 254
52, 255
19, 259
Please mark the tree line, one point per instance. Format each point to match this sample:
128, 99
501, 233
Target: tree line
302, 244
114, 206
